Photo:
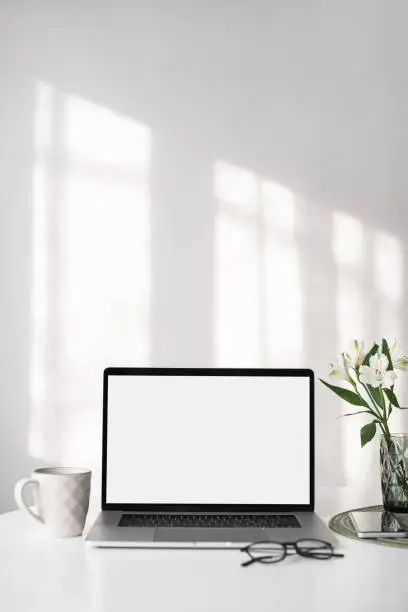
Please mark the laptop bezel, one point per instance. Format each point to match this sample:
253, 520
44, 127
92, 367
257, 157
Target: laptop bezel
210, 508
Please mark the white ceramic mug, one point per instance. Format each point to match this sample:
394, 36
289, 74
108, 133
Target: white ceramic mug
61, 499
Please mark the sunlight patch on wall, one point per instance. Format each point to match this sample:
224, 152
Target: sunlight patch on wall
237, 186
106, 221
370, 282
370, 288
258, 305
349, 255
100, 136
236, 280
279, 209
349, 246
389, 282
283, 285
91, 270
348, 240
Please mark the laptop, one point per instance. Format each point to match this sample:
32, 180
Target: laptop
207, 458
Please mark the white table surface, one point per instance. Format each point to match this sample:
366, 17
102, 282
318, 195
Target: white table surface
45, 575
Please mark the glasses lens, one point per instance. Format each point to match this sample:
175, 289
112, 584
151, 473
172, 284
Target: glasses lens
314, 548
267, 552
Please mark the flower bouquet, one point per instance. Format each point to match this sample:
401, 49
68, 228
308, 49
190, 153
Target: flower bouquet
368, 379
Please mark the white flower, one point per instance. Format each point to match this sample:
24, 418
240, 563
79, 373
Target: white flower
340, 370
376, 373
358, 353
354, 359
398, 358
336, 370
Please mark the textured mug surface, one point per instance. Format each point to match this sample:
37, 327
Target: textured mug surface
61, 499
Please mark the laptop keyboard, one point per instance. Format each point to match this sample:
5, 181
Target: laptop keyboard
209, 520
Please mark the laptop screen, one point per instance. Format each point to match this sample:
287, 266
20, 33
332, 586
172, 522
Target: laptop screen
208, 439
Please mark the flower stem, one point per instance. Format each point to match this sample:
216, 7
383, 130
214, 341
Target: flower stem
383, 430
379, 411
378, 414
386, 429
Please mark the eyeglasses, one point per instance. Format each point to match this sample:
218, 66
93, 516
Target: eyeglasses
273, 552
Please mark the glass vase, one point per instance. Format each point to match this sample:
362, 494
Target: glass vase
394, 472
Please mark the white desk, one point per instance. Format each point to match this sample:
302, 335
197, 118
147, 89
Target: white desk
42, 575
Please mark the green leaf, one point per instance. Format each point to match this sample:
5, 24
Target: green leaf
345, 394
354, 413
391, 397
367, 432
386, 350
371, 352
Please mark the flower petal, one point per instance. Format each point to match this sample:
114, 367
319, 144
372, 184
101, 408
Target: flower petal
384, 363
401, 364
365, 374
375, 363
389, 379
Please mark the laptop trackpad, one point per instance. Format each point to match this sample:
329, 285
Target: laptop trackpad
202, 534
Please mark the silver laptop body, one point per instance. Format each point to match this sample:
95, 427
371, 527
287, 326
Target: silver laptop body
207, 458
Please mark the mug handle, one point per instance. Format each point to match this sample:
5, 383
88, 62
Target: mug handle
19, 496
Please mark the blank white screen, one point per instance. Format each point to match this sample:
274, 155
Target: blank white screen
208, 440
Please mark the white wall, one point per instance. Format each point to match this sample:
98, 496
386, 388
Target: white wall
141, 221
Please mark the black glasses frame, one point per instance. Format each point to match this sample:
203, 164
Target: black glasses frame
291, 548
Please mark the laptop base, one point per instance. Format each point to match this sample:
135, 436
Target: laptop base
106, 533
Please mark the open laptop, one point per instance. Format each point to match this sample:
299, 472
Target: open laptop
208, 458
